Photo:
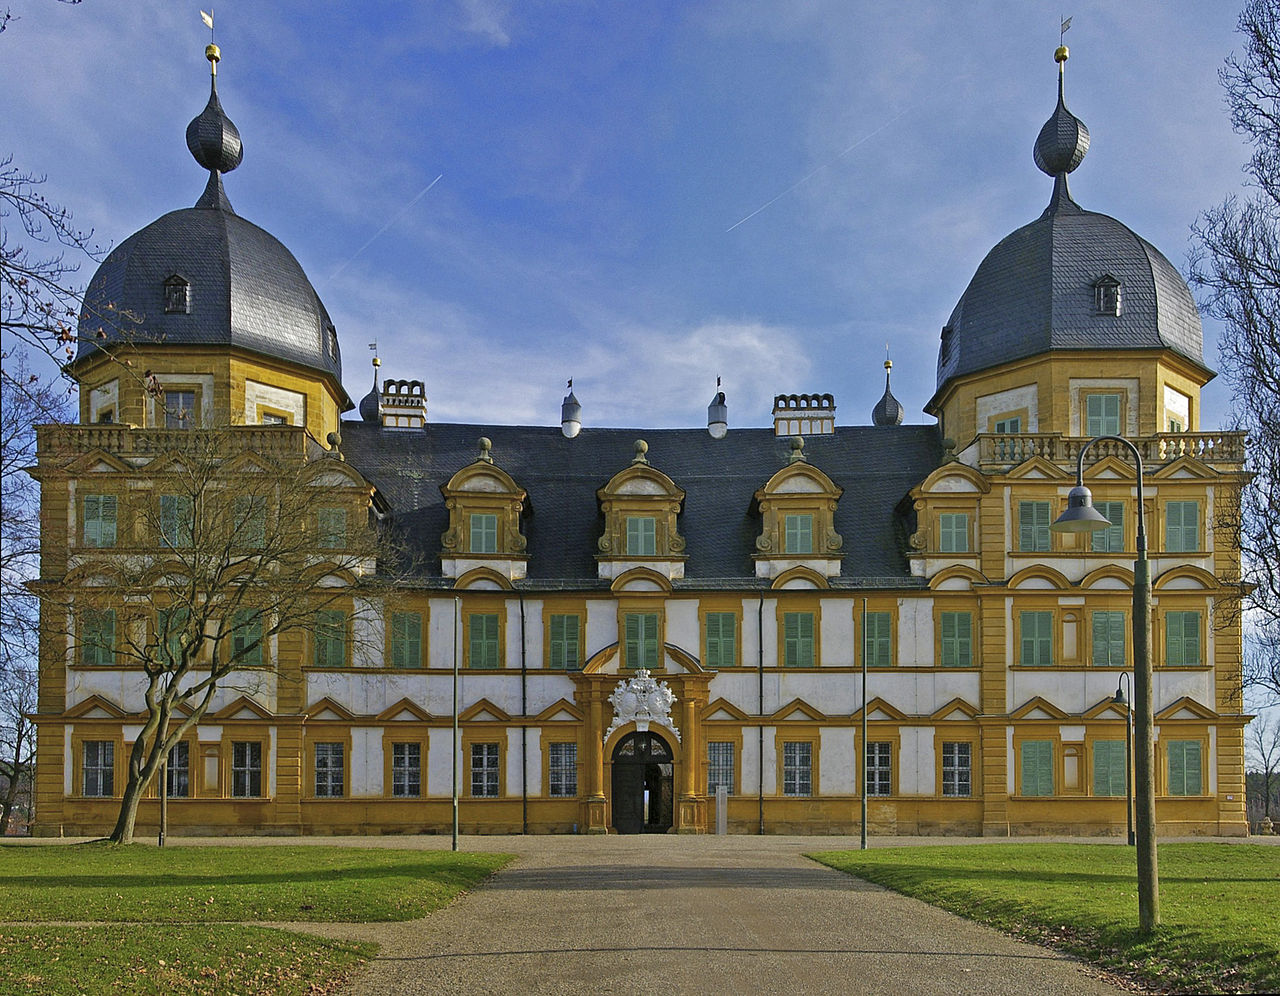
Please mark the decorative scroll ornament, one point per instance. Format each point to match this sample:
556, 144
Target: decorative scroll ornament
644, 701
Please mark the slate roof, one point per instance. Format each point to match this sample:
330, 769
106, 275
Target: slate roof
876, 466
1035, 292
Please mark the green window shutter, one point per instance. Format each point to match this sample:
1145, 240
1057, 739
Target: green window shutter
100, 520
1182, 526
721, 639
406, 639
1103, 414
331, 638
650, 627
246, 637
1108, 639
957, 639
482, 632
642, 536
1110, 767
484, 533
1111, 539
1182, 639
564, 643
631, 639
877, 639
954, 532
799, 534
175, 520
797, 639
1184, 767
1037, 767
1037, 639
171, 627
97, 637
250, 514
331, 527
1033, 526
1008, 425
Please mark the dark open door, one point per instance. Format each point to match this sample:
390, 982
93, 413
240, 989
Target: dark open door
643, 784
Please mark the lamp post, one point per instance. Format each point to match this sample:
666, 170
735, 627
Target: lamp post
1082, 517
1122, 699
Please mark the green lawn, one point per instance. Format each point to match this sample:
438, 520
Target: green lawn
1219, 903
174, 899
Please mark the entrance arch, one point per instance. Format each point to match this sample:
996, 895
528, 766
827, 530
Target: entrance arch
643, 784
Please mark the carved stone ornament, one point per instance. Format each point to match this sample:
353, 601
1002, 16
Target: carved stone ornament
644, 701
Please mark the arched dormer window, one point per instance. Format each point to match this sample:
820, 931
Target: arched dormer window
640, 506
797, 512
1106, 295
485, 505
177, 295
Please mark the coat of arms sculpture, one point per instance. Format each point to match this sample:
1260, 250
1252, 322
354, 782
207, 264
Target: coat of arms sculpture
644, 701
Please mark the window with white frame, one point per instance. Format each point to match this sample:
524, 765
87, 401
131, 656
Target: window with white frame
246, 769
484, 771
329, 770
797, 768
178, 771
879, 768
100, 520
406, 770
179, 409
1102, 414
98, 768
957, 768
798, 533
719, 766
562, 770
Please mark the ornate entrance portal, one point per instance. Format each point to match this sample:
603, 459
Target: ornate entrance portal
643, 784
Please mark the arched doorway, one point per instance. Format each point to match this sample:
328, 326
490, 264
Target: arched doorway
643, 784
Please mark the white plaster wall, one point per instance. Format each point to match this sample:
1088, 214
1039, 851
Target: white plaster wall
1178, 405
548, 689
1074, 691
439, 765
533, 633
770, 762
750, 633
739, 686
917, 766
750, 765
682, 626
1212, 760
838, 770
533, 765
106, 396
602, 625
257, 393
915, 631
440, 633
273, 752
1011, 769
366, 761
836, 644
69, 769
769, 631
126, 687
1008, 401
515, 780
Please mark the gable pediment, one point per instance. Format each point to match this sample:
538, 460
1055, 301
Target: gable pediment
881, 711
327, 709
95, 707
483, 711
798, 710
955, 711
1038, 708
560, 711
1107, 708
404, 711
1109, 468
1038, 468
1185, 469
1185, 708
721, 710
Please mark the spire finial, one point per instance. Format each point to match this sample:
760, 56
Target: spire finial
211, 51
888, 410
641, 449
1063, 141
213, 139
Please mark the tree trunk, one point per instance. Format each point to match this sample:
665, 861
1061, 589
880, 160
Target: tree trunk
141, 769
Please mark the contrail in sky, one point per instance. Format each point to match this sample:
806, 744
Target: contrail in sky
815, 171
405, 210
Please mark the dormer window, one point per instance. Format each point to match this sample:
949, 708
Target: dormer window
177, 296
640, 505
797, 521
485, 506
1106, 295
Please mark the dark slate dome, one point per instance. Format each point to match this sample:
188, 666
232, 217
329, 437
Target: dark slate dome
888, 410
1038, 289
242, 286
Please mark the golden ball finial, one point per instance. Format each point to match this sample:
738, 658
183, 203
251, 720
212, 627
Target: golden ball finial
888, 364
213, 53
1062, 54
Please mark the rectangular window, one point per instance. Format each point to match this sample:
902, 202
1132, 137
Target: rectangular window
99, 769
797, 639
720, 637
246, 637
562, 769
246, 769
100, 520
642, 536
250, 512
957, 769
953, 532
98, 637
272, 418
171, 635
799, 534
178, 771
564, 643
1007, 426
484, 533
957, 639
406, 639
329, 771
879, 768
641, 639
482, 640
1037, 639
179, 409
1108, 639
1037, 767
797, 768
719, 767
1175, 425
1111, 539
1182, 526
1184, 768
406, 770
1033, 526
177, 523
1110, 767
331, 528
330, 638
877, 639
484, 771
1102, 415
1182, 639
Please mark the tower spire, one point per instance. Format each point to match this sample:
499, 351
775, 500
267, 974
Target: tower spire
213, 138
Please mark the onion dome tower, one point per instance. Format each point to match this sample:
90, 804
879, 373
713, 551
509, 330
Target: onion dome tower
203, 278
371, 403
888, 410
1072, 281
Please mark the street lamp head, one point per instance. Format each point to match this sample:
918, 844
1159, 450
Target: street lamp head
1080, 516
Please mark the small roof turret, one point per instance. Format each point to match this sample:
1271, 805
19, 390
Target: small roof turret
371, 403
214, 141
887, 411
570, 414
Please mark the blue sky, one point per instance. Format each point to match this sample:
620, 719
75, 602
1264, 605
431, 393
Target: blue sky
594, 159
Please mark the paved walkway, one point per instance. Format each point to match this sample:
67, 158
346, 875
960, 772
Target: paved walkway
670, 914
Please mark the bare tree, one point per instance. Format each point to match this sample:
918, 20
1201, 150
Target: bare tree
1262, 748
1236, 265
247, 546
17, 745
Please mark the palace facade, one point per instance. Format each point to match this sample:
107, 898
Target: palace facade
750, 572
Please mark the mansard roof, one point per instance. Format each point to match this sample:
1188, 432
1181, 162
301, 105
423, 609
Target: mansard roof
875, 465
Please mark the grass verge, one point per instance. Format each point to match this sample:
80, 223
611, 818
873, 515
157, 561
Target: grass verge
1219, 932
172, 920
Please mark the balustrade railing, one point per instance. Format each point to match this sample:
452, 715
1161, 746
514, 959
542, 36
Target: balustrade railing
996, 449
125, 441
